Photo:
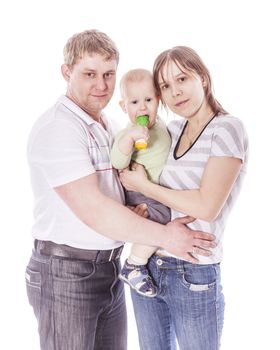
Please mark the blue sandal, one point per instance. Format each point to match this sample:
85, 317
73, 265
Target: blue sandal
138, 278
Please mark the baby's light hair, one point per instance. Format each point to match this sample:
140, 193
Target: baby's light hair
134, 75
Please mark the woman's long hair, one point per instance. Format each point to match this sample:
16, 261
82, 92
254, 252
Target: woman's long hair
187, 60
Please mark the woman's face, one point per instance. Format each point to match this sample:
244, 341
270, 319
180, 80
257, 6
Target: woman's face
181, 90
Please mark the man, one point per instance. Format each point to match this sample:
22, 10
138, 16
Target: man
80, 220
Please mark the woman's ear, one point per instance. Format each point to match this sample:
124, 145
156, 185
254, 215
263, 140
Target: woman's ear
122, 104
203, 81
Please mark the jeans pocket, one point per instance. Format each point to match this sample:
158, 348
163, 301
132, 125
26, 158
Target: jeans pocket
199, 278
68, 270
33, 287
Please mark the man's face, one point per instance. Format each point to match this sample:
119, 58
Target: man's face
91, 83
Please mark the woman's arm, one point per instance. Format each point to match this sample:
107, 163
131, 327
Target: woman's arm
203, 203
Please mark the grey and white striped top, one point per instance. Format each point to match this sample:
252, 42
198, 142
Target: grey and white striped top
223, 136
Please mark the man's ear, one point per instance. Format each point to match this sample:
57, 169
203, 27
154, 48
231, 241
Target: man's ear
65, 71
122, 104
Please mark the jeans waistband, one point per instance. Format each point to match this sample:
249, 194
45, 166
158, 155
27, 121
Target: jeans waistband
65, 251
170, 262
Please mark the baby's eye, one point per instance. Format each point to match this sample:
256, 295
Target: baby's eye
134, 102
149, 99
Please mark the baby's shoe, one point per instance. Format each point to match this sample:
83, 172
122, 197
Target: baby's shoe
137, 276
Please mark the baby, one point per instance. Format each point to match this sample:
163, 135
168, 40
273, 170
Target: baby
140, 101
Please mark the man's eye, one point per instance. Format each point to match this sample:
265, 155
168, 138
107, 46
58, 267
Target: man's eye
90, 75
109, 75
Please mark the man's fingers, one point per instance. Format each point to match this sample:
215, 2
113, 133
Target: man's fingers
190, 258
204, 236
204, 243
184, 219
141, 210
190, 219
200, 251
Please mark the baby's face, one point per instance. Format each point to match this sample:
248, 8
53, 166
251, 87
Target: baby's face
140, 99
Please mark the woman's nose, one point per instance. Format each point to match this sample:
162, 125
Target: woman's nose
176, 91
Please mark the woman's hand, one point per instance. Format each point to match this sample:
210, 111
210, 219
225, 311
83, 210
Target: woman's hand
134, 179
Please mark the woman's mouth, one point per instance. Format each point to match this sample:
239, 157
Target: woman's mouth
181, 103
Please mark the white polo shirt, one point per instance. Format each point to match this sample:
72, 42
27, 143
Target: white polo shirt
64, 145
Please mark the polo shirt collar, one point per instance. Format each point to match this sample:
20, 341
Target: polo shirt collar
77, 110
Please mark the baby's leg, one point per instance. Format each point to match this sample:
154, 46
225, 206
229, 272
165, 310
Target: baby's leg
140, 254
135, 272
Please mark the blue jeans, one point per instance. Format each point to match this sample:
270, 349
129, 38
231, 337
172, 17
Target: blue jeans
79, 304
189, 307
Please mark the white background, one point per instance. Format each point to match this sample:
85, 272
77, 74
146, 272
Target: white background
239, 42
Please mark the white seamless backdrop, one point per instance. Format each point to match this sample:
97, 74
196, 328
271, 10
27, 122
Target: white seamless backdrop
239, 43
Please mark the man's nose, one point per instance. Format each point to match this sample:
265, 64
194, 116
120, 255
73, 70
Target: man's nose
100, 84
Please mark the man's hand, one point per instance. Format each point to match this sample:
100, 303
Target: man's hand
184, 242
140, 209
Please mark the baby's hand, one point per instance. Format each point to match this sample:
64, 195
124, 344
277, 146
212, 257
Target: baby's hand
127, 141
138, 132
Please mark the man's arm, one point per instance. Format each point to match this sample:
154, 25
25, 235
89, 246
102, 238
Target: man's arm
114, 220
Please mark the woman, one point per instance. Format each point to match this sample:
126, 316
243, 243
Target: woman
202, 178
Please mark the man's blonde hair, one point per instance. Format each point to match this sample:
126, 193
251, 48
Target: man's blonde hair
89, 42
134, 75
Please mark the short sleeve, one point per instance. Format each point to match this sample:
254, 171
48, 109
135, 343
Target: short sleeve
60, 149
229, 138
